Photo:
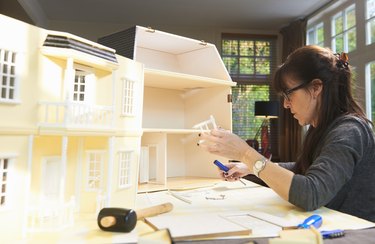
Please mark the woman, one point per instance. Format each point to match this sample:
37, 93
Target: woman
336, 167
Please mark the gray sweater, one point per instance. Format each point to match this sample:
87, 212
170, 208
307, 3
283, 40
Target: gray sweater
342, 175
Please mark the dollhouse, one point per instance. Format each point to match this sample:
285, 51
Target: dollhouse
185, 82
70, 131
85, 124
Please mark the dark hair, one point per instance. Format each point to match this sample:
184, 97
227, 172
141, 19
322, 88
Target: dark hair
313, 62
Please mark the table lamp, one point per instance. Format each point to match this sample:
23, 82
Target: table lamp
267, 110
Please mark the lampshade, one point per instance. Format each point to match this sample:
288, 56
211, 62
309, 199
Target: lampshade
266, 109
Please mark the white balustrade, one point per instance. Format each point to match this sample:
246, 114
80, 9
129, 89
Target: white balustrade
74, 114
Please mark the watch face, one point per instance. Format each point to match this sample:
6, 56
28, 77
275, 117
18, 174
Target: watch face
258, 164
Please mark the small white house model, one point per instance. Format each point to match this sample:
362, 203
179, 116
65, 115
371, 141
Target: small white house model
82, 126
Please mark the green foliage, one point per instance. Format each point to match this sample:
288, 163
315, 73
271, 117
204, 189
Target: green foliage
247, 59
245, 124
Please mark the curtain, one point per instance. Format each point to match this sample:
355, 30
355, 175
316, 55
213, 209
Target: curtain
293, 37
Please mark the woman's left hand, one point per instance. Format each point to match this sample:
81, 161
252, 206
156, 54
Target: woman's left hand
224, 143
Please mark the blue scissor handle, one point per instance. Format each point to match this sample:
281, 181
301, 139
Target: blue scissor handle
314, 220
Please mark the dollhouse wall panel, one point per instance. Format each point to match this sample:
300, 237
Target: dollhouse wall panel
155, 59
132, 71
176, 155
204, 62
163, 108
157, 142
208, 101
124, 196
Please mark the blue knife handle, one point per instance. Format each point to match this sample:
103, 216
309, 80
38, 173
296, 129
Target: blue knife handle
314, 220
221, 166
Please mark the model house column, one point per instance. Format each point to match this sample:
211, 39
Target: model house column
64, 151
68, 86
111, 158
113, 98
28, 183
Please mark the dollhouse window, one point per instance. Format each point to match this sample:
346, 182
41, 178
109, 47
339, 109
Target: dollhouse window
4, 168
8, 76
128, 97
84, 84
79, 87
95, 161
124, 169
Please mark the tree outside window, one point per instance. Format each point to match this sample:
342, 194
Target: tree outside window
344, 37
250, 61
315, 35
370, 21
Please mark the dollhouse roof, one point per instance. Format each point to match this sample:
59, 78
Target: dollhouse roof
62, 41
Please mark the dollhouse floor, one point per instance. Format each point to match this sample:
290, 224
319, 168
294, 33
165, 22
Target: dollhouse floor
178, 183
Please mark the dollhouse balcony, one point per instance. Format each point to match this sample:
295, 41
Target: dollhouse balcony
75, 115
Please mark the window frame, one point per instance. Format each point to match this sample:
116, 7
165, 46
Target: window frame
125, 159
98, 179
88, 74
128, 106
345, 29
368, 25
364, 53
8, 182
14, 64
256, 80
369, 98
314, 29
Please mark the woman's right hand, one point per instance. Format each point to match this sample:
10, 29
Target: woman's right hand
235, 172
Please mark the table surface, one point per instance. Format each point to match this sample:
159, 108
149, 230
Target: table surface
238, 197
255, 197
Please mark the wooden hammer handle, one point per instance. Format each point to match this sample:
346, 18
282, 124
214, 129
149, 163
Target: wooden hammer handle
154, 210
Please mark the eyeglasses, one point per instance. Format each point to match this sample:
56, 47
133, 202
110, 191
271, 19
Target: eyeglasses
287, 93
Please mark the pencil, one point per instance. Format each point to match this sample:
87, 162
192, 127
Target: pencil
243, 182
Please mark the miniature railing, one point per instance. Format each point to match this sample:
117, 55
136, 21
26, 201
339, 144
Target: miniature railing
101, 202
74, 114
51, 217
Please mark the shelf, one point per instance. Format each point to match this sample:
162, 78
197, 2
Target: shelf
180, 81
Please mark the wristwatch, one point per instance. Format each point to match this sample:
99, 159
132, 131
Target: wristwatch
259, 165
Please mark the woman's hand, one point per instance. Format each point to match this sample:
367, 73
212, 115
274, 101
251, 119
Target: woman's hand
224, 143
235, 172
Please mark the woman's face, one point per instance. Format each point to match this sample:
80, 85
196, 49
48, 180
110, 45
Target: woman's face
302, 102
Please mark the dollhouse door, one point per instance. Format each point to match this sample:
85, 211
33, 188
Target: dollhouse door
51, 180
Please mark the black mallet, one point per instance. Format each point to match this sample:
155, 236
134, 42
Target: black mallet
124, 220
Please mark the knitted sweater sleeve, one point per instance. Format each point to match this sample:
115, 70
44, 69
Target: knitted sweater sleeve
340, 150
